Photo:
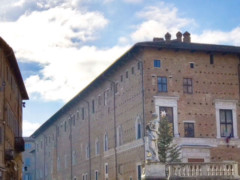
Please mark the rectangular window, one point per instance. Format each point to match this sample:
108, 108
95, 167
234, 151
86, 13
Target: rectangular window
105, 97
87, 152
211, 59
162, 84
99, 100
157, 63
116, 87
187, 85
139, 172
132, 70
226, 123
126, 74
93, 107
82, 113
121, 78
119, 136
191, 65
97, 147
188, 129
106, 142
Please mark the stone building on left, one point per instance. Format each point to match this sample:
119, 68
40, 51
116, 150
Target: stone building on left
12, 94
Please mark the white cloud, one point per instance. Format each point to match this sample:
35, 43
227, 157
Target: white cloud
29, 128
71, 71
218, 37
158, 20
133, 1
32, 35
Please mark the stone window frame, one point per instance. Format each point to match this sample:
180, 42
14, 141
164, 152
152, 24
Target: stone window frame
97, 147
227, 105
137, 168
106, 170
105, 140
168, 101
137, 124
119, 135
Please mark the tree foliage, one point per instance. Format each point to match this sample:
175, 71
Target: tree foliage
167, 151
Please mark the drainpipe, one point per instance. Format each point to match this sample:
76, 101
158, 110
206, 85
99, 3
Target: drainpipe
143, 101
71, 146
89, 138
115, 128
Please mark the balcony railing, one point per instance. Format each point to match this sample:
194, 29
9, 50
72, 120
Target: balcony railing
19, 144
222, 169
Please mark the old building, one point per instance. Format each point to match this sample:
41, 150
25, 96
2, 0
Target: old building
100, 133
29, 159
12, 93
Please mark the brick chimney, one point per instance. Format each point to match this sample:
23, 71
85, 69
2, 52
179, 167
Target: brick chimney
186, 37
168, 36
179, 36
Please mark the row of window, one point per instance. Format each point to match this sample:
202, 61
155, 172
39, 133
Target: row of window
157, 62
163, 85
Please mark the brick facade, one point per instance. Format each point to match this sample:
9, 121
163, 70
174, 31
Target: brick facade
122, 100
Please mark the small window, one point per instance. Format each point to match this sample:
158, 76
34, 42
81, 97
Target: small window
65, 126
121, 78
116, 87
93, 106
106, 169
105, 97
96, 175
97, 147
187, 85
106, 142
83, 114
191, 65
162, 84
132, 70
157, 63
139, 172
211, 59
126, 74
188, 129
87, 152
99, 100
139, 65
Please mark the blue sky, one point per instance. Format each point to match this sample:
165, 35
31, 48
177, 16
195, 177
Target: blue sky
61, 46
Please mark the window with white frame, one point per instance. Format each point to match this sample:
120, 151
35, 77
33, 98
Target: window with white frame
74, 157
119, 135
87, 152
226, 118
97, 146
106, 170
106, 142
139, 171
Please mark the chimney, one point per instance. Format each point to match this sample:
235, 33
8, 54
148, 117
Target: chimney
168, 36
156, 39
186, 37
179, 36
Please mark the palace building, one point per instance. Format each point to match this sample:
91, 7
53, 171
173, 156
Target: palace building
100, 133
12, 94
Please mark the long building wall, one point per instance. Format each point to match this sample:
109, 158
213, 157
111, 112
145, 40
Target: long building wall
118, 105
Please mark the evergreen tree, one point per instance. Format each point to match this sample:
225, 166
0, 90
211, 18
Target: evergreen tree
167, 151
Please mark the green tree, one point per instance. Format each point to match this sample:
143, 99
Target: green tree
167, 151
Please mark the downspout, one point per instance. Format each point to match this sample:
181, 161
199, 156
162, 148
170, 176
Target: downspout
143, 101
57, 133
44, 143
89, 138
115, 126
71, 146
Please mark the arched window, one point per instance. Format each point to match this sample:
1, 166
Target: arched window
138, 128
106, 142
